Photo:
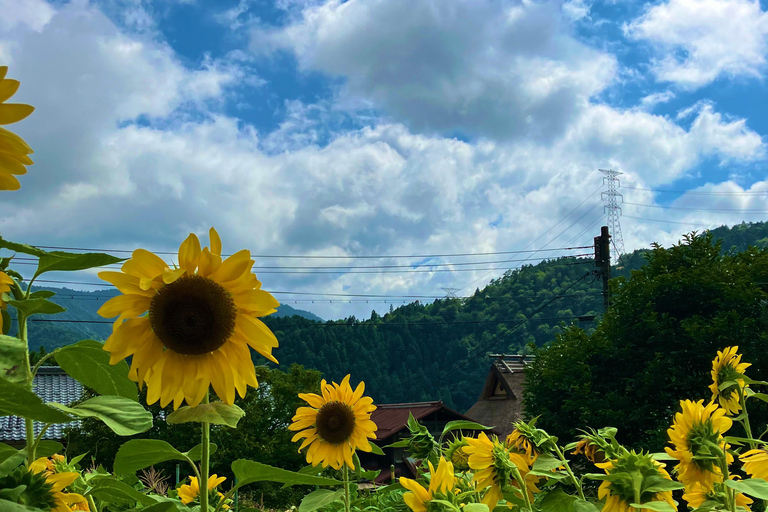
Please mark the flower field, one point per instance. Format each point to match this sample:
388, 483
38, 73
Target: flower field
185, 331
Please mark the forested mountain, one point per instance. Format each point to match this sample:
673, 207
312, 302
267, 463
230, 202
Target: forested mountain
425, 351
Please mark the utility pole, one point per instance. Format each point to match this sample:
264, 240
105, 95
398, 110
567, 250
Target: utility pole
603, 261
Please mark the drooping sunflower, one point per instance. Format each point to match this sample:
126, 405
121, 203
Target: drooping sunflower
523, 440
44, 490
494, 465
691, 432
636, 469
13, 149
335, 425
6, 282
457, 455
188, 493
189, 328
695, 496
441, 483
590, 449
727, 366
755, 463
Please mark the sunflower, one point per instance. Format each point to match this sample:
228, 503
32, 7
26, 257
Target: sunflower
46, 490
13, 149
727, 366
441, 481
755, 463
696, 495
619, 493
6, 282
189, 327
523, 440
335, 425
692, 430
590, 449
494, 466
457, 455
189, 493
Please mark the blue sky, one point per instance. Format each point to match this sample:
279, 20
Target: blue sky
384, 128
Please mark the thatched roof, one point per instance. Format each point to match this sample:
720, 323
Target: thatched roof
501, 401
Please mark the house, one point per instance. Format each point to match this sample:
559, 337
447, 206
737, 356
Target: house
501, 400
51, 384
392, 420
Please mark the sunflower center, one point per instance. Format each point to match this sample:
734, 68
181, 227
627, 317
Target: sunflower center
335, 422
193, 315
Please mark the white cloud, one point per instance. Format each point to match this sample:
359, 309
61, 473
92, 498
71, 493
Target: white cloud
699, 41
497, 69
650, 101
33, 13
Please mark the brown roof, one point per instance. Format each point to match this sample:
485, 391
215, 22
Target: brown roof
392, 418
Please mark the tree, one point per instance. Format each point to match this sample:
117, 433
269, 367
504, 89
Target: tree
655, 345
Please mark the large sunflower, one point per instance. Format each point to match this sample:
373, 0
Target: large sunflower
188, 493
692, 431
696, 496
637, 469
727, 366
189, 327
335, 425
755, 463
13, 149
494, 465
441, 482
58, 500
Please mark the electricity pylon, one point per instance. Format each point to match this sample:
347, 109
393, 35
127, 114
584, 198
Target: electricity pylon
613, 209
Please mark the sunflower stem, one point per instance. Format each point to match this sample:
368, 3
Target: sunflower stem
205, 460
347, 504
745, 422
29, 378
523, 489
92, 504
567, 466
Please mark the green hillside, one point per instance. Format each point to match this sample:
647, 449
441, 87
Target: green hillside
425, 351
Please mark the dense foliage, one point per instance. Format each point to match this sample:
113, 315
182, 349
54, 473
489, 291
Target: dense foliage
653, 346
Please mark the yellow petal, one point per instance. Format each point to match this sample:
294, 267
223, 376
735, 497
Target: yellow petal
213, 235
8, 88
14, 112
189, 252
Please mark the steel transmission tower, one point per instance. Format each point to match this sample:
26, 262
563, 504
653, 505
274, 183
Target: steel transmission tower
613, 209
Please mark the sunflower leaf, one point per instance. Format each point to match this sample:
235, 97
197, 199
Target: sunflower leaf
217, 413
248, 472
67, 261
319, 498
546, 462
13, 358
375, 449
476, 507
36, 307
584, 506
756, 487
196, 453
22, 248
463, 425
17, 400
138, 454
113, 491
658, 506
124, 416
88, 362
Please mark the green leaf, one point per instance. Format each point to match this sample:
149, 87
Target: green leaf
67, 261
375, 449
549, 474
662, 456
124, 416
447, 504
6, 451
248, 471
12, 494
759, 396
22, 248
88, 362
42, 294
319, 498
546, 463
47, 447
476, 507
756, 487
138, 454
113, 491
13, 358
16, 400
6, 321
36, 307
727, 384
398, 444
656, 484
658, 506
12, 462
463, 425
196, 453
217, 413
9, 506
585, 506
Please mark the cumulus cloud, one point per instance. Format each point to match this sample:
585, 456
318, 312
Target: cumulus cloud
699, 41
496, 69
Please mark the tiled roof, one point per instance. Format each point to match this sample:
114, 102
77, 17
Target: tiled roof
51, 384
392, 418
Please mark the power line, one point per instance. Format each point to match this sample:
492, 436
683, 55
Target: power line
702, 192
667, 221
718, 210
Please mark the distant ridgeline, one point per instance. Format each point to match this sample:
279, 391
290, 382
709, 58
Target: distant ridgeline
420, 352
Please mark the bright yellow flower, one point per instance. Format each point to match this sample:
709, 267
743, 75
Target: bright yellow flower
619, 494
456, 454
63, 501
692, 429
755, 463
202, 317
13, 149
335, 425
493, 465
518, 441
5, 286
441, 481
695, 496
189, 493
727, 366
591, 450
